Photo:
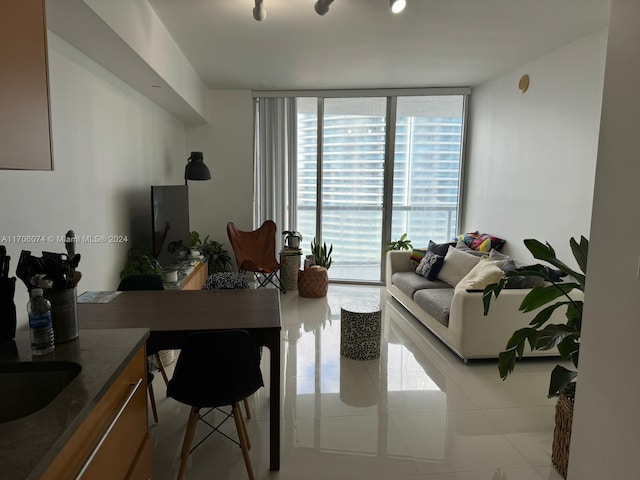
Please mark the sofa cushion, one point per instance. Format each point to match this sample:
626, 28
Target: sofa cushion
482, 242
430, 266
484, 273
408, 283
436, 302
456, 265
460, 245
439, 248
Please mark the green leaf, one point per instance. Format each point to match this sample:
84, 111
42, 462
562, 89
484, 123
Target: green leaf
560, 379
574, 314
553, 334
569, 348
518, 338
506, 363
580, 252
489, 291
545, 314
541, 295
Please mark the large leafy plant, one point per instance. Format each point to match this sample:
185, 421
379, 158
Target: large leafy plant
552, 295
402, 244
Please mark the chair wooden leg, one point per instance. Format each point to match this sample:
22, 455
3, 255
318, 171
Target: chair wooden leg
152, 399
188, 440
161, 368
242, 434
246, 409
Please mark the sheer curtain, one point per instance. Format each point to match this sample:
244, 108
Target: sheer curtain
275, 163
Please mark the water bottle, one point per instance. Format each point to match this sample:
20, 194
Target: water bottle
40, 323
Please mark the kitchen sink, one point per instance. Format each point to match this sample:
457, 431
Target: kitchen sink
26, 387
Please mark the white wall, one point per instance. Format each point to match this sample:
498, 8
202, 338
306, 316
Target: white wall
531, 157
110, 144
606, 421
227, 144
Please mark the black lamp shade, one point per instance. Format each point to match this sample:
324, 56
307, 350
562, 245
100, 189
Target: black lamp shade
196, 169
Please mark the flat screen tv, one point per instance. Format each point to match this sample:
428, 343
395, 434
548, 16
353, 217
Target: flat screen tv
170, 220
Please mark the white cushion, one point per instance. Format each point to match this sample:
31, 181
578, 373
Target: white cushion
456, 266
484, 273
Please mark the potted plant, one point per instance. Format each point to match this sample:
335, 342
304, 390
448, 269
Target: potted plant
402, 244
140, 260
554, 294
314, 281
219, 258
292, 238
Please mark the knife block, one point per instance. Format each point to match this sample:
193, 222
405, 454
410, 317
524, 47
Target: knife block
7, 309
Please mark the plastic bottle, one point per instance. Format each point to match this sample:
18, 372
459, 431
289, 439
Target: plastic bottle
40, 323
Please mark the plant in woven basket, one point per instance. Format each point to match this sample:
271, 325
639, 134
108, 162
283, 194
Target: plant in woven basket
541, 335
554, 294
321, 255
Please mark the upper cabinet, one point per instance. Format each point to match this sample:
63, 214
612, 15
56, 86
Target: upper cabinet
25, 125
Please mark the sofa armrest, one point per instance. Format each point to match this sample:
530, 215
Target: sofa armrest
397, 261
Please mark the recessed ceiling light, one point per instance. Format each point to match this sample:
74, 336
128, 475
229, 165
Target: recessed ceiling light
397, 5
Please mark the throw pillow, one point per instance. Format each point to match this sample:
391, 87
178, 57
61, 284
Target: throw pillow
430, 266
482, 242
460, 245
456, 266
484, 273
439, 248
505, 262
416, 255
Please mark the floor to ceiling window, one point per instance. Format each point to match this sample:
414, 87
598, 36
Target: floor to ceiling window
372, 167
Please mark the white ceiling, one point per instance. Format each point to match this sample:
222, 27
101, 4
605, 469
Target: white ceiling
360, 44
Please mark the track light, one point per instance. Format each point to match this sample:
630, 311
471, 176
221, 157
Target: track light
322, 6
259, 12
397, 5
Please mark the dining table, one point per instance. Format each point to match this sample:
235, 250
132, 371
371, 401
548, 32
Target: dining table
171, 315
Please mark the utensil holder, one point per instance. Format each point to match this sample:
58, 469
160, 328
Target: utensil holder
7, 309
64, 314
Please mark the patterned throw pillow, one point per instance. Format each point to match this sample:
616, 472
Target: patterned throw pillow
482, 242
440, 248
430, 266
225, 280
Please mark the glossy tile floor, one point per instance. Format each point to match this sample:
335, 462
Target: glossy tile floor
417, 413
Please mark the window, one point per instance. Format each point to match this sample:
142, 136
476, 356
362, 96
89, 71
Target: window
370, 168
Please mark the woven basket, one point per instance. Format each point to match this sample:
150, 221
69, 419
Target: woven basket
562, 432
313, 283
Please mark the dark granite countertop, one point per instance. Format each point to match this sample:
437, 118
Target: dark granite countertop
28, 445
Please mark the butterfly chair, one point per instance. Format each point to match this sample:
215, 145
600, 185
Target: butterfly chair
147, 282
215, 369
255, 252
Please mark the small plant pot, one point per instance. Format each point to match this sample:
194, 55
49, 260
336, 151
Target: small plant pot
313, 283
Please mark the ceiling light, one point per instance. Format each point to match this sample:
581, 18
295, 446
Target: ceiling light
259, 12
397, 5
322, 6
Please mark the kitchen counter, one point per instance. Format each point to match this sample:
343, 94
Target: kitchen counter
29, 444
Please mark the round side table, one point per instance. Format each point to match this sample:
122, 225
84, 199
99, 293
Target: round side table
360, 327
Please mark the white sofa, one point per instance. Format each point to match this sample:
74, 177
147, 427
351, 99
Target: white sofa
467, 332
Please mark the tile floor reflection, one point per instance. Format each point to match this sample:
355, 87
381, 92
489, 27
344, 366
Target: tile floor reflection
417, 413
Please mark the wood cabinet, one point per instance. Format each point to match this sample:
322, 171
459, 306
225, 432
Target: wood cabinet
195, 280
114, 440
25, 126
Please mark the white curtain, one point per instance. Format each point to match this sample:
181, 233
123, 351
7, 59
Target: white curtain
275, 163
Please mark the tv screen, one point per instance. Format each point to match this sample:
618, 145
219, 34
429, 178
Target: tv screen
170, 219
